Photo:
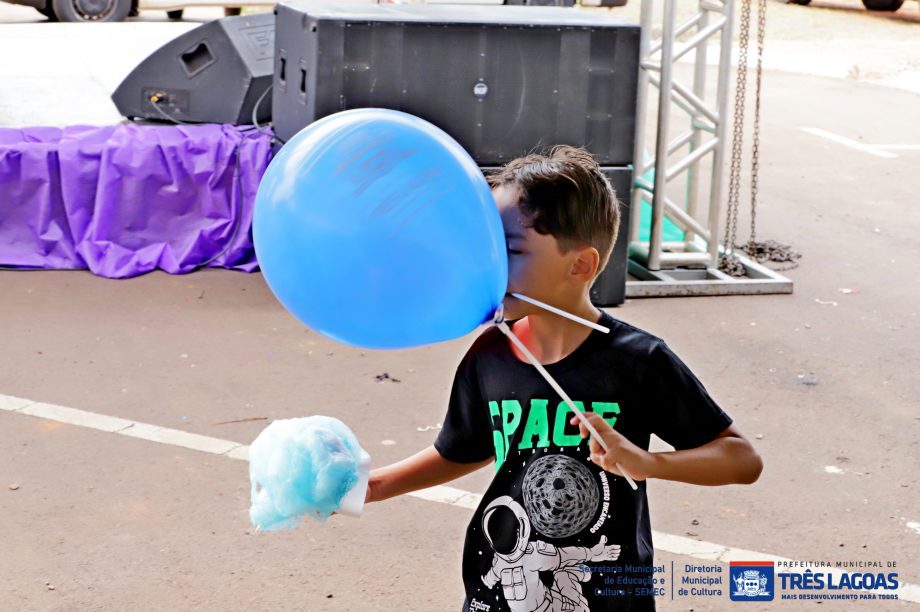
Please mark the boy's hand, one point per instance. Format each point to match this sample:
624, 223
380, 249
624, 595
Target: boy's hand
370, 496
637, 461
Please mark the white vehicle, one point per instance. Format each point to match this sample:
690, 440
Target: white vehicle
117, 10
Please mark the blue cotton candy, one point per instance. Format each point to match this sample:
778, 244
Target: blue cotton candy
302, 466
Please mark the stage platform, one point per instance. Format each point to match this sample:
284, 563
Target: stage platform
127, 199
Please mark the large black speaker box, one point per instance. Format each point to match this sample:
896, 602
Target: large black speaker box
609, 288
215, 73
501, 80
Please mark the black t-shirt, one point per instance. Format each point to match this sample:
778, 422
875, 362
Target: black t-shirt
554, 531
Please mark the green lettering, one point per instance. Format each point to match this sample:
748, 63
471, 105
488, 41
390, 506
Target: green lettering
511, 418
560, 438
497, 437
537, 425
506, 417
605, 408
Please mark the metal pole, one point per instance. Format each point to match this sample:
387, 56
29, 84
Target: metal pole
699, 90
715, 189
661, 145
645, 33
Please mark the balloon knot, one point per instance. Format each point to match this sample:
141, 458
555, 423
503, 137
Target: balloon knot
499, 315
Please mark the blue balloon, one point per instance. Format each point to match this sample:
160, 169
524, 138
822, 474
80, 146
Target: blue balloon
376, 228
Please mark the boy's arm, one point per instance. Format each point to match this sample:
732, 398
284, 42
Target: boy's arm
728, 459
424, 469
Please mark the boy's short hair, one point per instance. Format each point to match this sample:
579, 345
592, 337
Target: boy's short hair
565, 194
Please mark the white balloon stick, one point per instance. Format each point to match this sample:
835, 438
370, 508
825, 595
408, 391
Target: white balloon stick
565, 397
562, 313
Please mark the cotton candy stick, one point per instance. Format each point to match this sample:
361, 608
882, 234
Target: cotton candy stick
565, 397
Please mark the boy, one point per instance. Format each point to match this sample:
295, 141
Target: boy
558, 517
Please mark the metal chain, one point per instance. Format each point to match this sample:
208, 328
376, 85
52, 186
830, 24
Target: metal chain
769, 250
755, 154
728, 262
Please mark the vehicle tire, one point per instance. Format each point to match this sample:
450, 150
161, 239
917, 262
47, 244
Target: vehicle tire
882, 5
175, 15
91, 10
232, 11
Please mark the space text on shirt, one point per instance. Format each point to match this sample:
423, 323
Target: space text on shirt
506, 418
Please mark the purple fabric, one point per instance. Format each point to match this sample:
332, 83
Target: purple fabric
128, 199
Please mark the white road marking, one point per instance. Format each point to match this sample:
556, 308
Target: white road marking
449, 495
899, 147
666, 542
125, 427
871, 150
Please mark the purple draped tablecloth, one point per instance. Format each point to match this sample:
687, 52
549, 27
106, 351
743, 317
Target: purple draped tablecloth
127, 199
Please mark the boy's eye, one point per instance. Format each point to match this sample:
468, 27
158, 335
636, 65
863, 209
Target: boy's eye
514, 251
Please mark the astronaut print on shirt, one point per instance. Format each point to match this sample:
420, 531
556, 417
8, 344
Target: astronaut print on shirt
561, 496
543, 539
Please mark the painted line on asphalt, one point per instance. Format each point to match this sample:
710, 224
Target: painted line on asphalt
125, 427
843, 140
899, 147
665, 542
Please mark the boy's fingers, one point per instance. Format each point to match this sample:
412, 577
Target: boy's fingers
605, 463
583, 431
588, 415
595, 447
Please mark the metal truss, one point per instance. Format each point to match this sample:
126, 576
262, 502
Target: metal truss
685, 267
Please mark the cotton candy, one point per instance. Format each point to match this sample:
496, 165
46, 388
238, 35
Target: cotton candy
305, 466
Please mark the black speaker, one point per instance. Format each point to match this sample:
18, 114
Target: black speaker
501, 80
215, 73
609, 288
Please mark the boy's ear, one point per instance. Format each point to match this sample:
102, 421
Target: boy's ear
586, 262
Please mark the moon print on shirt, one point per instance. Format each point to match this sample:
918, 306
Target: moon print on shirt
561, 496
